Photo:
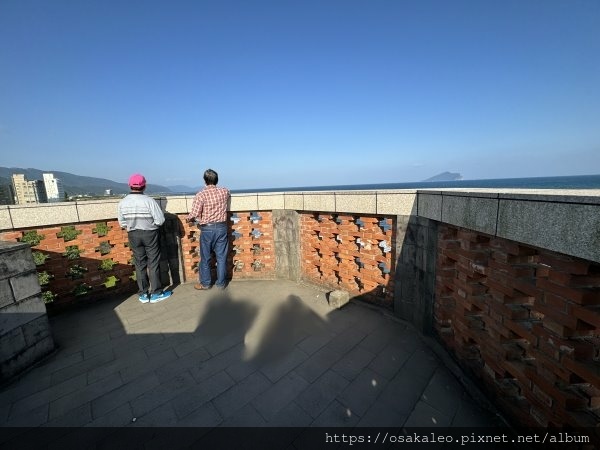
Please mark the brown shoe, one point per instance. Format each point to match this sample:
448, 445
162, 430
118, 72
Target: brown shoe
201, 287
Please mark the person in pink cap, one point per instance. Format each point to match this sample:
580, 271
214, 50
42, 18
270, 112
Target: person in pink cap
141, 216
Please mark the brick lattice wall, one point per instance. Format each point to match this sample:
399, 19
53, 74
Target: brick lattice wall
80, 276
526, 322
251, 247
353, 253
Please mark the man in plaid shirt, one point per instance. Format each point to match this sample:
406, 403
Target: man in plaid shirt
209, 210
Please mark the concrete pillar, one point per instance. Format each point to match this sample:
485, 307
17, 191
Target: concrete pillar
286, 235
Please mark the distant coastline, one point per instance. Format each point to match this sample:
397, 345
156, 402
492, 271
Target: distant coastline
563, 182
86, 186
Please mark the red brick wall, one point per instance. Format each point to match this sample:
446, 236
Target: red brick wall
344, 252
526, 322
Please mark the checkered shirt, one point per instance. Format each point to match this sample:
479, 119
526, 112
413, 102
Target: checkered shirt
210, 205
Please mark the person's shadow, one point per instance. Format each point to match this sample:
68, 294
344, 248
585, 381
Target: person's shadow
280, 329
171, 233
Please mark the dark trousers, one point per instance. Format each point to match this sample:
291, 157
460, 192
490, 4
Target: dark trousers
146, 250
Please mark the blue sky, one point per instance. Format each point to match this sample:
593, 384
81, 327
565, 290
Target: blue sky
299, 93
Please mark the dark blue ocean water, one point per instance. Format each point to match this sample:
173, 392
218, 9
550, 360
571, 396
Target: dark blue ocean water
565, 182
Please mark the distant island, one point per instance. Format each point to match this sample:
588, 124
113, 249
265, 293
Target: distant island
445, 176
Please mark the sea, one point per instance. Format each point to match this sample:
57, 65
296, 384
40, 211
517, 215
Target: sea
562, 182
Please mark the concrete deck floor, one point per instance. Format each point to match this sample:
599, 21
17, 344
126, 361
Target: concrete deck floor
260, 353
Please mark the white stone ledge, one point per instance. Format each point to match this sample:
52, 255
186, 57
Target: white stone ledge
5, 218
397, 203
43, 214
356, 202
270, 202
176, 204
294, 201
319, 201
244, 202
96, 210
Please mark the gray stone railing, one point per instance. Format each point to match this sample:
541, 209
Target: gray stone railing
24, 329
565, 221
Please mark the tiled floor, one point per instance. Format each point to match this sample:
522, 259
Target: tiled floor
261, 353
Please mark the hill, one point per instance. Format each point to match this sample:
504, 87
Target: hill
76, 184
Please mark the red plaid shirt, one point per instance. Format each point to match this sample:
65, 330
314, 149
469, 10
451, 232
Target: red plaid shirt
210, 205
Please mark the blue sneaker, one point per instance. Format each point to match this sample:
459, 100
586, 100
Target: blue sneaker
144, 298
159, 297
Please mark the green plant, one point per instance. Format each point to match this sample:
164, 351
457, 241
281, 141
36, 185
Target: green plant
39, 258
111, 281
104, 248
107, 264
133, 276
76, 271
32, 238
101, 229
44, 278
68, 233
48, 296
81, 289
72, 252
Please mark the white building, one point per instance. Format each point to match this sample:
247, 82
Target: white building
28, 191
54, 188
